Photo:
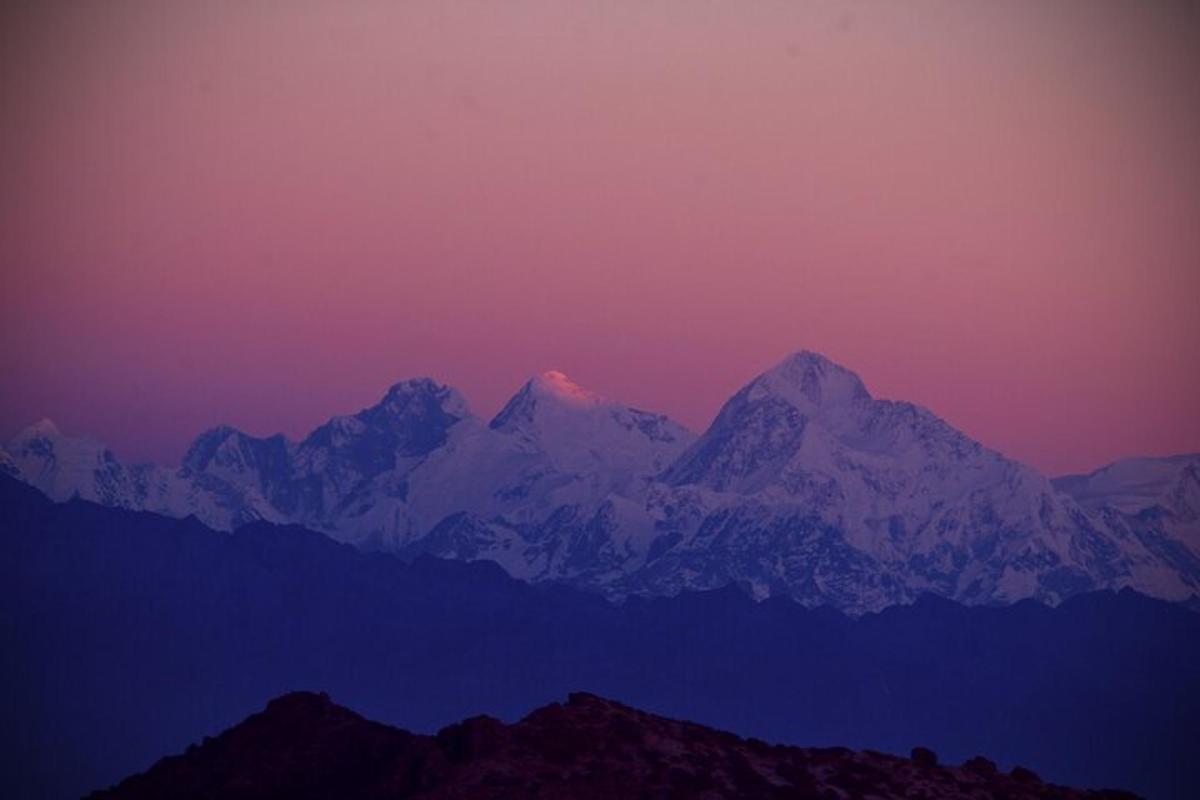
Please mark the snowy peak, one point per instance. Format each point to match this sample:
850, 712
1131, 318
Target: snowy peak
554, 385
810, 381
585, 437
205, 446
44, 428
43, 439
34, 449
551, 392
1155, 499
1135, 484
419, 395
226, 450
64, 467
413, 419
1162, 493
763, 428
39, 442
551, 405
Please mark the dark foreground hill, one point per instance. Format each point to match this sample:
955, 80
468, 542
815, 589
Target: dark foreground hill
124, 634
304, 746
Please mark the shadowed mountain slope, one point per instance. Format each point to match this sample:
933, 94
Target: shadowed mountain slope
304, 746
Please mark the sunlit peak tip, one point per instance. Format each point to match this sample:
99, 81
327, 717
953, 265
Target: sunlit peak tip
557, 384
43, 427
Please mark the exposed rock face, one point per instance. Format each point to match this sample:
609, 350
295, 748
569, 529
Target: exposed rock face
304, 746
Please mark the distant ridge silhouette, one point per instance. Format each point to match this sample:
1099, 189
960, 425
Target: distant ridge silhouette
304, 746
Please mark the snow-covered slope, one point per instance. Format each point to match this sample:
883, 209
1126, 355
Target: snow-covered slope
385, 477
1133, 485
582, 433
1154, 499
805, 485
348, 477
555, 452
65, 467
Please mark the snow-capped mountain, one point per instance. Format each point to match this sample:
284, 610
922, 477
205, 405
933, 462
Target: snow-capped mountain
64, 467
582, 433
805, 485
556, 457
348, 477
385, 477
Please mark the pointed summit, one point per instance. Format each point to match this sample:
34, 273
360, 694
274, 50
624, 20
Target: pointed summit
761, 429
557, 385
44, 428
224, 447
412, 419
205, 446
41, 443
426, 392
550, 390
807, 379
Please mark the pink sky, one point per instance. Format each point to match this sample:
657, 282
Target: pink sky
265, 213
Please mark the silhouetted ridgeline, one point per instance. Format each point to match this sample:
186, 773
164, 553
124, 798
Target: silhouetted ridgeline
126, 635
304, 747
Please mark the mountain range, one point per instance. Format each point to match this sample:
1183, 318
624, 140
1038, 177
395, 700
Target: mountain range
805, 485
128, 634
305, 747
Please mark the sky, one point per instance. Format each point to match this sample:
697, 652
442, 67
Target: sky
265, 213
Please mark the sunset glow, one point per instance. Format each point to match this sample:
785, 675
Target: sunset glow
264, 214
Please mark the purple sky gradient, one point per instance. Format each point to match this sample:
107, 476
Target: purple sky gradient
265, 213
